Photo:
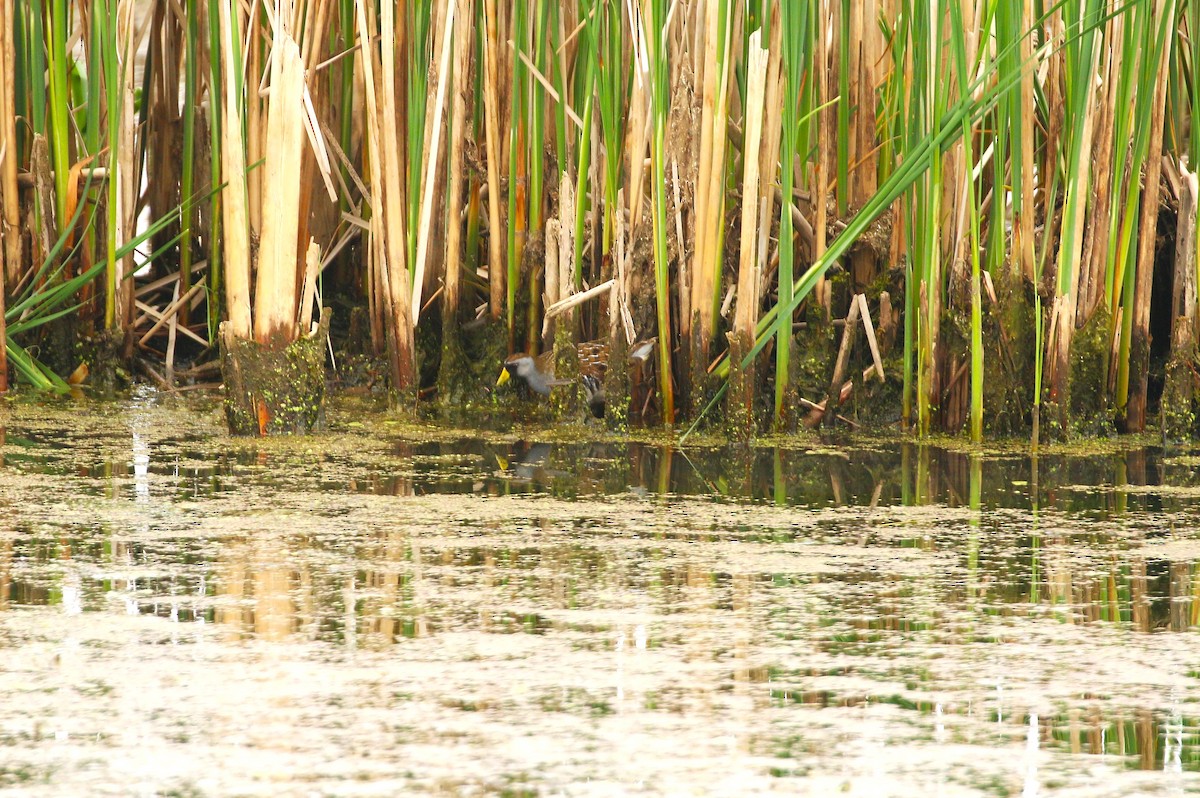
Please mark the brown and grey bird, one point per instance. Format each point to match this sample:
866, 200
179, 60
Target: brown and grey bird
537, 373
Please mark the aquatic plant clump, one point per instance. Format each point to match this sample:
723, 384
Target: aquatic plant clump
271, 390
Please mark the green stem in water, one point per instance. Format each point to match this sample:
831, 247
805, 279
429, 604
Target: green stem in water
660, 100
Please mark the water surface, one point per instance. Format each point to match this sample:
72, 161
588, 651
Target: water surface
372, 612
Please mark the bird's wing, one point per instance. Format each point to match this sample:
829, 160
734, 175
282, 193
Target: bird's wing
642, 349
593, 358
545, 363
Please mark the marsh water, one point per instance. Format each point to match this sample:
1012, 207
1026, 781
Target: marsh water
397, 610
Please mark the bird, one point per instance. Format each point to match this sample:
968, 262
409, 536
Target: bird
530, 465
537, 373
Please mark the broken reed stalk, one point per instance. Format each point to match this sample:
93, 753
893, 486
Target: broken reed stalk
308, 293
169, 371
1177, 409
552, 284
566, 238
748, 298
869, 329
849, 332
575, 300
275, 290
746, 314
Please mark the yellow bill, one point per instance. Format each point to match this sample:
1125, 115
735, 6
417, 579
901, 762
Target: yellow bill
503, 378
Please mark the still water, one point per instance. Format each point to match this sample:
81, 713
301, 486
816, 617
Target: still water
385, 610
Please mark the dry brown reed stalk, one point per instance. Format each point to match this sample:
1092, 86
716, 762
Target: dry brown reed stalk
10, 221
275, 300
710, 184
233, 165
1024, 215
491, 102
1052, 89
1063, 312
1135, 416
9, 196
566, 239
849, 331
866, 53
308, 293
826, 143
464, 26
164, 128
312, 19
1184, 287
746, 315
431, 159
387, 201
768, 164
619, 316
126, 173
252, 49
1094, 264
552, 289
637, 136
748, 275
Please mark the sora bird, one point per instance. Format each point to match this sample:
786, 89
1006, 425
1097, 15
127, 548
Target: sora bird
537, 373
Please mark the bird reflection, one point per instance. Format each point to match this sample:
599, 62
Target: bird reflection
530, 466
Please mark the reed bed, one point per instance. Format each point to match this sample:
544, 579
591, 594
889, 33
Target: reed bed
946, 215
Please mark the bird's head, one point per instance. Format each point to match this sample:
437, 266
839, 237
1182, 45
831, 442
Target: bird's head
518, 365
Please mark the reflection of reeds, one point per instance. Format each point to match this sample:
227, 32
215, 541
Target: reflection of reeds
1142, 738
6, 550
